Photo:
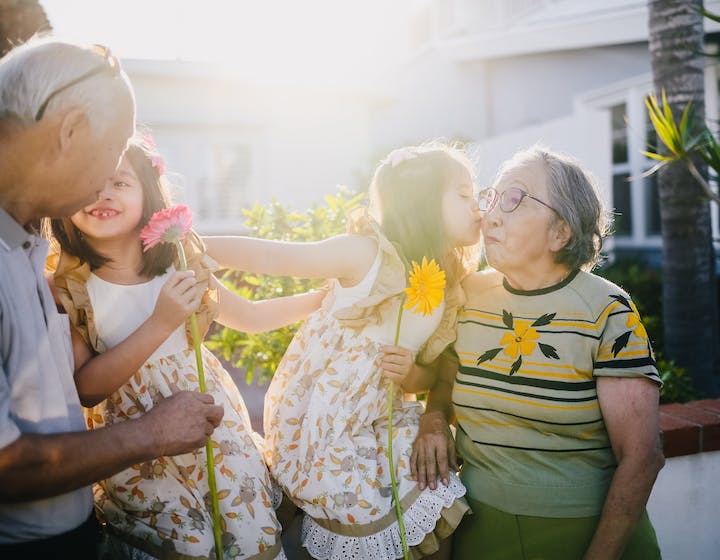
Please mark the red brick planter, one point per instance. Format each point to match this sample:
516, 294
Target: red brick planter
690, 428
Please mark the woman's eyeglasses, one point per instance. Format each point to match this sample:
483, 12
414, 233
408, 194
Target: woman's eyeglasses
508, 200
110, 65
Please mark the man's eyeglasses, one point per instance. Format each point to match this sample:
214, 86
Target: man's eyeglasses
508, 200
110, 65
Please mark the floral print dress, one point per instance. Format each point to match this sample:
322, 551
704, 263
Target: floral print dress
326, 422
161, 508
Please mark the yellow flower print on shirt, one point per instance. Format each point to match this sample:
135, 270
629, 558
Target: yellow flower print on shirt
634, 322
522, 341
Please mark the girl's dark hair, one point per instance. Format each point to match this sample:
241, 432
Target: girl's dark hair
406, 196
155, 261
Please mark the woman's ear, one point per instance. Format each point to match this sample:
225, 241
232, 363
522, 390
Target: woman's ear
560, 235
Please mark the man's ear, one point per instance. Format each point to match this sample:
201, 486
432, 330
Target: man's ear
74, 124
560, 235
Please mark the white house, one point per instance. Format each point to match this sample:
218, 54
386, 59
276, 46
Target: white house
571, 74
230, 141
501, 74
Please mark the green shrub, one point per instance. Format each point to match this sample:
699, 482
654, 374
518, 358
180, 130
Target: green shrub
261, 353
677, 384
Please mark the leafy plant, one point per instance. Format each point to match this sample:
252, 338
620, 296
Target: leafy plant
677, 383
261, 353
682, 141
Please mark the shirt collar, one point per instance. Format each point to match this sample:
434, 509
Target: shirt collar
12, 234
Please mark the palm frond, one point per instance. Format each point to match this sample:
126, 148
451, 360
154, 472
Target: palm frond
676, 138
655, 168
709, 15
658, 157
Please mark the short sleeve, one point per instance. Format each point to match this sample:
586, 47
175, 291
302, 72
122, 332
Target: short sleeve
389, 283
9, 431
71, 276
624, 349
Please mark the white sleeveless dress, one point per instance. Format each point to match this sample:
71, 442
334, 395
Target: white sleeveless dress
161, 508
326, 430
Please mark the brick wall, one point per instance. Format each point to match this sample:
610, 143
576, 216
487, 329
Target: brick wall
20, 20
690, 428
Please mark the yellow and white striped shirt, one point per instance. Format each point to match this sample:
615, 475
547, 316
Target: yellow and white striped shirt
530, 429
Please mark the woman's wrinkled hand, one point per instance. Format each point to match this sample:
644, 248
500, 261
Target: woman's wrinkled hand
433, 451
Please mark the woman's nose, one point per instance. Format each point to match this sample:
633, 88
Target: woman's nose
493, 215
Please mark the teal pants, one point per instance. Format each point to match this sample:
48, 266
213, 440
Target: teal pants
491, 534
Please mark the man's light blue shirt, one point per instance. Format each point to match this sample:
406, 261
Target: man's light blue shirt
37, 392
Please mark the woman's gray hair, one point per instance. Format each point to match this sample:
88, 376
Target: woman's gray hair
32, 71
573, 193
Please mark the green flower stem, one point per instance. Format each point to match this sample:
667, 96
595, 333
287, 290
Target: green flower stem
195, 333
391, 394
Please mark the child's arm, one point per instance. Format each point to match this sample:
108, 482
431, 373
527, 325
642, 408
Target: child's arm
399, 365
98, 376
345, 257
240, 314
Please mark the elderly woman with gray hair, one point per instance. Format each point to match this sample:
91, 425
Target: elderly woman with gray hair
552, 382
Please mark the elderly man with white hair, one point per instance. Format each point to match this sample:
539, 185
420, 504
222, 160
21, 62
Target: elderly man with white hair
66, 114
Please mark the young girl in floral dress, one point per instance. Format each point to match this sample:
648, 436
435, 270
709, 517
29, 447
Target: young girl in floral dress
128, 311
326, 408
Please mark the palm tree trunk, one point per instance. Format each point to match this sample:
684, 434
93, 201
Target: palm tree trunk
689, 280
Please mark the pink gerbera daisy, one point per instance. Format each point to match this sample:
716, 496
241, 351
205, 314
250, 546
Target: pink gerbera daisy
168, 225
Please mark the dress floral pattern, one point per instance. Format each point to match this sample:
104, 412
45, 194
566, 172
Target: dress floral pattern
326, 429
161, 507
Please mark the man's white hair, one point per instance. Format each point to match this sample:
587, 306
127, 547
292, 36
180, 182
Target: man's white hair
34, 70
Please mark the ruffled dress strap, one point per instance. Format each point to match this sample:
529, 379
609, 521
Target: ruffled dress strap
389, 285
71, 276
446, 332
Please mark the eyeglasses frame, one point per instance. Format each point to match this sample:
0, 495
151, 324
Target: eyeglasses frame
110, 64
498, 197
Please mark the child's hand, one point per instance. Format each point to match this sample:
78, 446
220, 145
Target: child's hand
397, 362
178, 298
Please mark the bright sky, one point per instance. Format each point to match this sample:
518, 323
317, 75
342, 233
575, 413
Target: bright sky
323, 41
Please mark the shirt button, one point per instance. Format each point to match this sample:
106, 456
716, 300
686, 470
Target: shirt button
27, 245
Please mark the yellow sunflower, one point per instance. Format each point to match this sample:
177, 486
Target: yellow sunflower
522, 340
427, 283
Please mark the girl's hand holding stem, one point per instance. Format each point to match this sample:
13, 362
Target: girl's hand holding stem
397, 363
179, 297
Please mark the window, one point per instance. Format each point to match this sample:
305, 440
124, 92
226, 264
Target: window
635, 198
227, 188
